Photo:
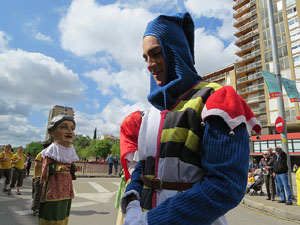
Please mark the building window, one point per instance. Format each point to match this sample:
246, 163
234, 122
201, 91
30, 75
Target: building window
296, 59
296, 47
296, 145
281, 39
284, 63
279, 28
290, 2
268, 56
278, 18
290, 115
295, 34
291, 12
282, 51
293, 23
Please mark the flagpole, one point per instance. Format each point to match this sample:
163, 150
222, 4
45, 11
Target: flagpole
284, 139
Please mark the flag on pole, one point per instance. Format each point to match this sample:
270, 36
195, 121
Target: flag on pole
272, 84
291, 90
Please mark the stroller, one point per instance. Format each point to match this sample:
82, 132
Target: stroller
257, 185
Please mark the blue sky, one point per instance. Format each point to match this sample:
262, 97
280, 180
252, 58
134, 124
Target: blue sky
86, 54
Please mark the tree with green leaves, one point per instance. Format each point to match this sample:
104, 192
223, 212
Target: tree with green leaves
81, 141
115, 149
34, 148
102, 148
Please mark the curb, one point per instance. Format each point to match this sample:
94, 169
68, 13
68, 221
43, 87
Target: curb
94, 176
272, 210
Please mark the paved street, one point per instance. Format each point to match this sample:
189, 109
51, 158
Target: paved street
242, 215
93, 204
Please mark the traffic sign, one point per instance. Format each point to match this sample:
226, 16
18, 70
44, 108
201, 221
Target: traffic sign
279, 124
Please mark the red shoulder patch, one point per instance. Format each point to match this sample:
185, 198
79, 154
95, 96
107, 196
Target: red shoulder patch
227, 104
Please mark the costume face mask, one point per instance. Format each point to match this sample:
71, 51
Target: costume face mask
64, 133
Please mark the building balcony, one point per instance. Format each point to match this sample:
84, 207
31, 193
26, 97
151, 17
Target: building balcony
248, 57
258, 111
246, 38
256, 99
215, 78
243, 19
251, 89
243, 10
247, 47
239, 3
251, 77
246, 28
248, 67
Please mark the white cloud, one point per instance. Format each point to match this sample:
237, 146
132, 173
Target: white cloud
4, 39
132, 84
15, 130
108, 121
210, 52
219, 9
34, 80
41, 37
89, 28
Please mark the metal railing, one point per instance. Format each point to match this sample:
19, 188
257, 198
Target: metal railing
251, 88
248, 67
244, 17
250, 55
250, 77
255, 99
248, 5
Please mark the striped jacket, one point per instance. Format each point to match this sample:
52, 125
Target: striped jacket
170, 143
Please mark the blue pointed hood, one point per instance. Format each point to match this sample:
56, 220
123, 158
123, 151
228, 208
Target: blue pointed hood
176, 37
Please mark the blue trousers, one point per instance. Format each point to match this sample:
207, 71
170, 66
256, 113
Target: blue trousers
283, 185
110, 166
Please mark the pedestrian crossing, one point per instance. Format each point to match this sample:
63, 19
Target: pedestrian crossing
98, 193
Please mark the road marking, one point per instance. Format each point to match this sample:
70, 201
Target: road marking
98, 197
80, 204
116, 183
24, 212
98, 187
4, 199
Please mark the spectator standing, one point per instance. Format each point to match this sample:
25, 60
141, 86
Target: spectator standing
267, 171
28, 163
116, 164
18, 160
298, 185
281, 173
6, 167
110, 160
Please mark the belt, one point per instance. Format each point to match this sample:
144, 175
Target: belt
158, 184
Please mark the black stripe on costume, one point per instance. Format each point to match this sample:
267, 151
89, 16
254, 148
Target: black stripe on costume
146, 199
204, 93
148, 165
185, 119
179, 150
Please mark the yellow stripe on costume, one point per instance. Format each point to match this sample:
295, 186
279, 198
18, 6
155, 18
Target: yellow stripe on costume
181, 135
53, 222
201, 85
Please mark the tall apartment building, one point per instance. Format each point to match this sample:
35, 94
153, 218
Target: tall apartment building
255, 52
58, 110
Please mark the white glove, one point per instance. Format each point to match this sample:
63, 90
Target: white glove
135, 215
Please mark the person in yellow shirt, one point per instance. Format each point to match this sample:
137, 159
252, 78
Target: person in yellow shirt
18, 160
298, 185
5, 167
36, 184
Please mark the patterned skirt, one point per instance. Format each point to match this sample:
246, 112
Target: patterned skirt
55, 212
